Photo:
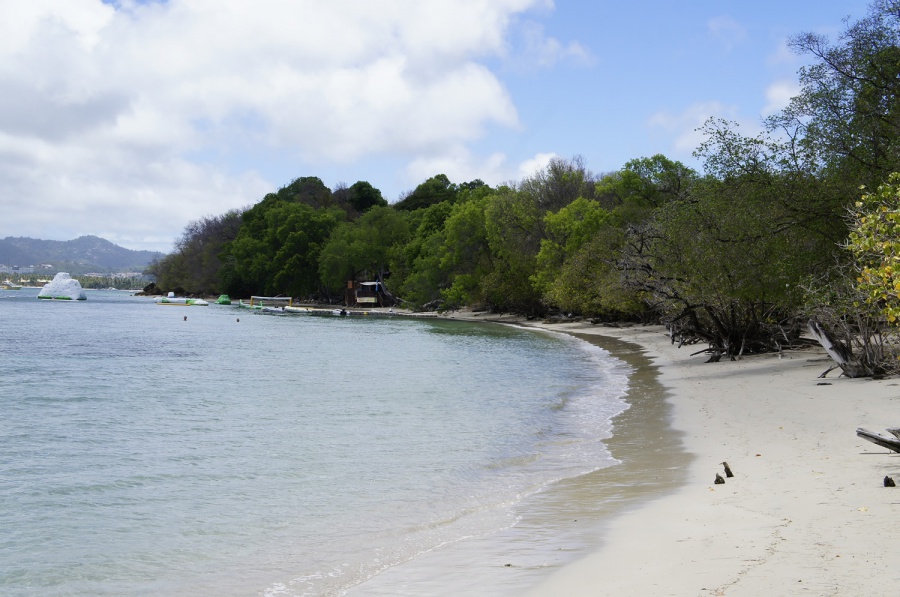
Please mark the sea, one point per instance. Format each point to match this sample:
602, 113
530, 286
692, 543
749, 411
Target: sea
171, 450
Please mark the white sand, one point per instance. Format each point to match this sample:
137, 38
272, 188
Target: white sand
805, 514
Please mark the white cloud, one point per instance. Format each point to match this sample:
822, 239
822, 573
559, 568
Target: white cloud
778, 96
22, 22
460, 165
541, 51
102, 108
64, 191
535, 164
682, 129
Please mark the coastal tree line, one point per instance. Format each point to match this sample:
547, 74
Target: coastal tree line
799, 221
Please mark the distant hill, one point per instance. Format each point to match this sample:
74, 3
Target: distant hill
84, 254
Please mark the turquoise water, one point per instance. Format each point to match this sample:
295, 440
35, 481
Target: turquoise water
242, 453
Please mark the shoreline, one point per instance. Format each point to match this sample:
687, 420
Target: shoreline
559, 524
805, 514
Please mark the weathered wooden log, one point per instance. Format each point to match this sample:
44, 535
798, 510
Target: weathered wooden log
895, 431
891, 443
838, 351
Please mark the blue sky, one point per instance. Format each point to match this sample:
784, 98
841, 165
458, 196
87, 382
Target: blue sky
127, 120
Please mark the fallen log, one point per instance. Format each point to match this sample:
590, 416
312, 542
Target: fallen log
839, 352
891, 443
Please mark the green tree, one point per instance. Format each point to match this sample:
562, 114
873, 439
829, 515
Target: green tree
513, 224
567, 231
874, 243
436, 189
726, 264
364, 196
775, 168
277, 249
577, 269
559, 183
856, 304
465, 255
418, 273
846, 115
309, 190
643, 185
365, 247
194, 266
590, 281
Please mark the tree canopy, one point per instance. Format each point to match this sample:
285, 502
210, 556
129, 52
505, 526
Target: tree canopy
734, 256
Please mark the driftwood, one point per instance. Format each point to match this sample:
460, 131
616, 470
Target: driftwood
715, 354
891, 443
728, 472
838, 351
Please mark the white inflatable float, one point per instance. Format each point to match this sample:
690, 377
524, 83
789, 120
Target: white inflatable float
63, 288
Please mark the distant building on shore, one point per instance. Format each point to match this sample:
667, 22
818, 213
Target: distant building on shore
115, 274
16, 269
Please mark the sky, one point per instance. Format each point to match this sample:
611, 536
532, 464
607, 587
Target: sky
130, 119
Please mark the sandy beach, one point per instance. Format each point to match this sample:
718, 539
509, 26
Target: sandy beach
806, 512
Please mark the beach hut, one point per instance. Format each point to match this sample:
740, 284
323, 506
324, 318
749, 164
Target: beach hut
365, 294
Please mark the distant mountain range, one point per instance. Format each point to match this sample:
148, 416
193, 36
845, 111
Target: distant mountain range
84, 254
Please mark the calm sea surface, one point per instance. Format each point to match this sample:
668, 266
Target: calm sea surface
145, 454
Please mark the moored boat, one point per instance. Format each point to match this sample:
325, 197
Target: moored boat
305, 310
171, 299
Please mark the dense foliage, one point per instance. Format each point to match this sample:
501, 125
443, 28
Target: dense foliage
736, 256
875, 244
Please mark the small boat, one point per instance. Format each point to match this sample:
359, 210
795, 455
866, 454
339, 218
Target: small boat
7, 285
304, 310
171, 299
